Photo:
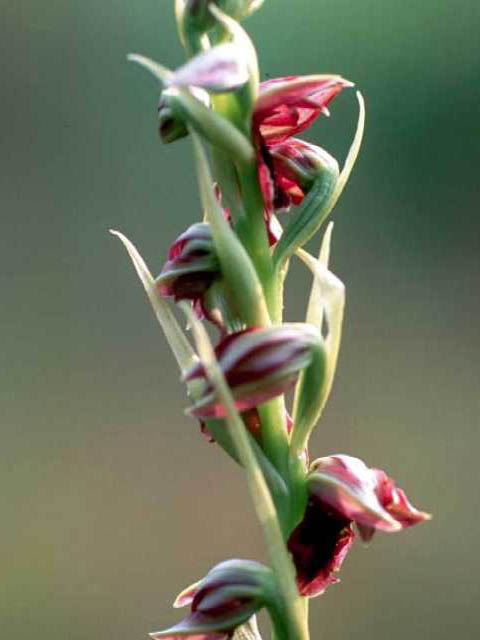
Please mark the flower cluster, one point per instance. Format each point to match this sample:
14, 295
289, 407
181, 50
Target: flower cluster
227, 270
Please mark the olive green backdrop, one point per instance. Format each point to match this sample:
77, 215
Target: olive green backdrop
110, 500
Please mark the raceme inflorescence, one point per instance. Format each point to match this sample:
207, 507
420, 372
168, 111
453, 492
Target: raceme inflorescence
227, 271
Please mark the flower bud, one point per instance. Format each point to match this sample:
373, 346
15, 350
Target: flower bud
258, 364
227, 597
191, 265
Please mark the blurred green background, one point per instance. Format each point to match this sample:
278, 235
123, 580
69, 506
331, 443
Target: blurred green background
111, 502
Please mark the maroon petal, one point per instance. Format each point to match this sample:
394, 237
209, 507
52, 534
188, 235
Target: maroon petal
319, 545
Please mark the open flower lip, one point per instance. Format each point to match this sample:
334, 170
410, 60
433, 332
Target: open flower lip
319, 545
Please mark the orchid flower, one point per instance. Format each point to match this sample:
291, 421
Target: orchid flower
343, 491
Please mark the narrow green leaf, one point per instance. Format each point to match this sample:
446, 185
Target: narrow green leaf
179, 344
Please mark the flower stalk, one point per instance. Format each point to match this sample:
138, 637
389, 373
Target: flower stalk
227, 271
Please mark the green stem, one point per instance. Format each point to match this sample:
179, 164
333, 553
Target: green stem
274, 434
227, 179
282, 565
252, 230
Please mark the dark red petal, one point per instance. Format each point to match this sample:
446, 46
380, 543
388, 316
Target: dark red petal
319, 545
